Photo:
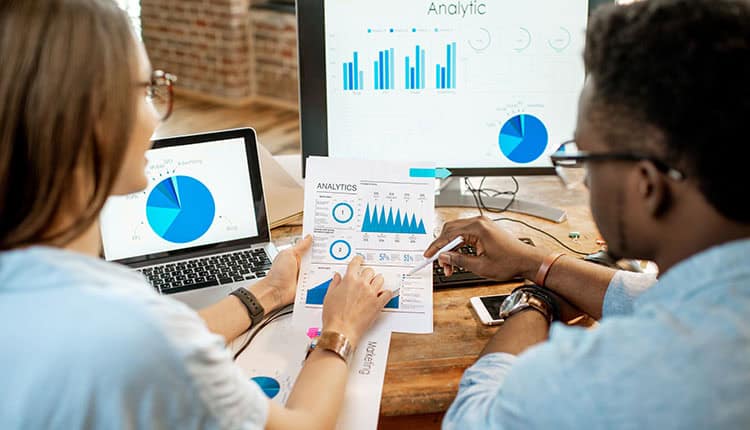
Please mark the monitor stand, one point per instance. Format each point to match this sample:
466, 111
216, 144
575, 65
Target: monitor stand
451, 193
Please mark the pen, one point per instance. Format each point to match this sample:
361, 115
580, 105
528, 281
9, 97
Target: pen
453, 243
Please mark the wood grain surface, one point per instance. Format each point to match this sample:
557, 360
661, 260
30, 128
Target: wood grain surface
424, 370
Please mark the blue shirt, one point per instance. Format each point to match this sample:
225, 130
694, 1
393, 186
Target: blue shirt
89, 344
672, 356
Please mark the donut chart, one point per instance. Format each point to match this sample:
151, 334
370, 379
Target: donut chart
342, 213
340, 250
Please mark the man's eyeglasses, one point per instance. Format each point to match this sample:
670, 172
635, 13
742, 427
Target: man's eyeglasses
159, 92
571, 164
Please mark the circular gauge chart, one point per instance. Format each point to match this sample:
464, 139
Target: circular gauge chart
480, 39
523, 138
343, 213
340, 250
180, 209
270, 386
560, 41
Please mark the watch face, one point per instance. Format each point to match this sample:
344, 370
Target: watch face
510, 303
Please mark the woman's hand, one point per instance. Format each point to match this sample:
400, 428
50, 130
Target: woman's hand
353, 302
278, 288
500, 255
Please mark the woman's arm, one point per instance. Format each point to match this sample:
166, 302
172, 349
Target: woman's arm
318, 393
229, 317
351, 306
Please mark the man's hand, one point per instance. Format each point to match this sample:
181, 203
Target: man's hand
499, 256
278, 288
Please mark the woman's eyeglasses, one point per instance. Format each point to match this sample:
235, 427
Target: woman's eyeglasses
571, 164
159, 92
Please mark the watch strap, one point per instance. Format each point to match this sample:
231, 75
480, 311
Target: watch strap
548, 306
542, 306
336, 343
254, 308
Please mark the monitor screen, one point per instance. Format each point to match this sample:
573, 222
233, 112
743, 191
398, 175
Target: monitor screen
198, 194
477, 86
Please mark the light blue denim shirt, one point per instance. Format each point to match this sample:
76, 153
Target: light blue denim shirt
86, 344
672, 354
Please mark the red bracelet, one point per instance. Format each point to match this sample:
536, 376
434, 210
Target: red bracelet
541, 275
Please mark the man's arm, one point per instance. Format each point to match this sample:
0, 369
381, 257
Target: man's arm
501, 256
519, 332
581, 283
567, 381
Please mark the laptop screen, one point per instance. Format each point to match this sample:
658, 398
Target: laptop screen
197, 194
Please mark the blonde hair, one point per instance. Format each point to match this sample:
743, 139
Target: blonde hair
67, 87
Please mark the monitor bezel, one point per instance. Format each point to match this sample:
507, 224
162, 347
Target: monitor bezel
313, 94
261, 217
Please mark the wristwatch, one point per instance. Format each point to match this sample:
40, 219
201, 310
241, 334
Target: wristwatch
529, 297
254, 309
334, 342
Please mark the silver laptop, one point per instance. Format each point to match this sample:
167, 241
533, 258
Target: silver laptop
199, 230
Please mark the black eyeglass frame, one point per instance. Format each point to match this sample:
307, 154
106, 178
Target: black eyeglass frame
562, 160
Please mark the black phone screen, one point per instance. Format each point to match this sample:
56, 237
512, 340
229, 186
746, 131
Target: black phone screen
492, 303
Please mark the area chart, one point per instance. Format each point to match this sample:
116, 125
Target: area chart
377, 220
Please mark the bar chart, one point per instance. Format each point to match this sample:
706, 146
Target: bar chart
353, 77
411, 62
383, 70
414, 77
445, 76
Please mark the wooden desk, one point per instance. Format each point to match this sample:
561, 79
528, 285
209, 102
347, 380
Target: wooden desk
424, 370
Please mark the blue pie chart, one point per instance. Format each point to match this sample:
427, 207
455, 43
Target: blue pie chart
523, 138
269, 385
180, 209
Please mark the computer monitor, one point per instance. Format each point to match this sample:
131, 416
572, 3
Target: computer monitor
480, 87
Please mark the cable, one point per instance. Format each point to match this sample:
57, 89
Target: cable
477, 194
473, 194
541, 231
512, 195
286, 310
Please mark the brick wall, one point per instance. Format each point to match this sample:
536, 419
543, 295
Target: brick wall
206, 43
275, 42
222, 49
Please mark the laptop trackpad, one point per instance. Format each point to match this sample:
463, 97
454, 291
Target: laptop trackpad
204, 297
198, 299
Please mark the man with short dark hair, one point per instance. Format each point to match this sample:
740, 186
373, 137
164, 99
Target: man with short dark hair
662, 134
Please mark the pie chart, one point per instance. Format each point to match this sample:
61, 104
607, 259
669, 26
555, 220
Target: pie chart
269, 385
180, 209
523, 138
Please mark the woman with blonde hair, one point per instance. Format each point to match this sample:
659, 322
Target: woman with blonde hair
90, 344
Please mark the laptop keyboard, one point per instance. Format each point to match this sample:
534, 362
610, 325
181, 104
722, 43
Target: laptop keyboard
210, 271
462, 277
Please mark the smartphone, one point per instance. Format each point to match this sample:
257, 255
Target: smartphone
488, 308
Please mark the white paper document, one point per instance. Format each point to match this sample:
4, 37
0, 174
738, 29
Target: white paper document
364, 388
274, 358
276, 355
382, 211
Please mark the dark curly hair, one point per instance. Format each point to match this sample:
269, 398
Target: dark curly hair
682, 67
